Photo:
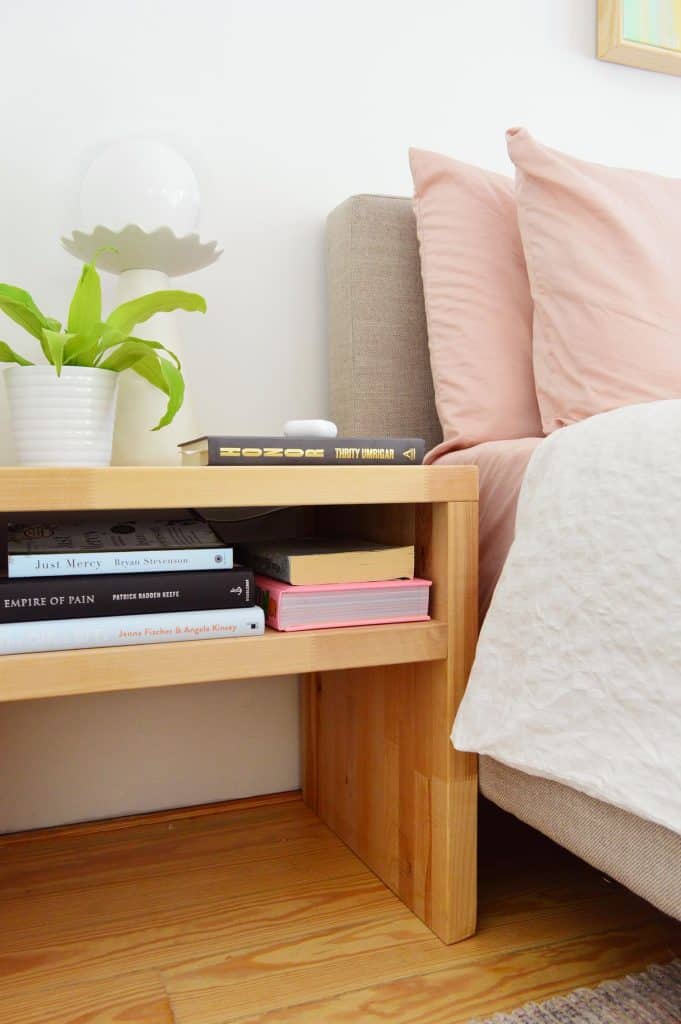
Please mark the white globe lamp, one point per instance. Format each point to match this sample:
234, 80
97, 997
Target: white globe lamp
140, 182
140, 202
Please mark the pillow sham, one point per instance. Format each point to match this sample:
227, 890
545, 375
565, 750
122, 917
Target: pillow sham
477, 299
602, 248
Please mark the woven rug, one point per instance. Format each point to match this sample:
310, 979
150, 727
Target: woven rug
653, 997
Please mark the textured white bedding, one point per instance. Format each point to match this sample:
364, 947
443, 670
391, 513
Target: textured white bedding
577, 676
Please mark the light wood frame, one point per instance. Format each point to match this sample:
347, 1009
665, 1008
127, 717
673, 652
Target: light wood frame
612, 46
378, 764
377, 702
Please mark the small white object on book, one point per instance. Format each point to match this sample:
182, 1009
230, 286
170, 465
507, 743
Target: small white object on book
310, 428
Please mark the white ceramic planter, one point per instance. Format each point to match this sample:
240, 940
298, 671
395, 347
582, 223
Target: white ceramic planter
62, 421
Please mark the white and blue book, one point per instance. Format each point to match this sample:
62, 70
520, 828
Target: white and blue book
124, 630
87, 549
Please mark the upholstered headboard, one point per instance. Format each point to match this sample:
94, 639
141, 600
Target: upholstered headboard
379, 370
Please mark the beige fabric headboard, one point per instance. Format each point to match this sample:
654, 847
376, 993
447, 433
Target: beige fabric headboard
379, 370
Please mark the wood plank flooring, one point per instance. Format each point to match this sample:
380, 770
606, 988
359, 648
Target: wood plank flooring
256, 912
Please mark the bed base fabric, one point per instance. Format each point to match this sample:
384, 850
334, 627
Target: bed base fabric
641, 855
380, 383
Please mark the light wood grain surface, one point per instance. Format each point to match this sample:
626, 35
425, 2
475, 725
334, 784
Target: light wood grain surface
137, 487
102, 669
135, 998
261, 914
419, 832
378, 765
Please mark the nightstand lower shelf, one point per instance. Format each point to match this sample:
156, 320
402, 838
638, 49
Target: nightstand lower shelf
103, 669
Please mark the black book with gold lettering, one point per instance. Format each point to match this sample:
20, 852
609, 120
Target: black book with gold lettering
303, 451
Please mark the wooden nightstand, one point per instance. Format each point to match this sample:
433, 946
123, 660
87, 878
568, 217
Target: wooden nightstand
377, 701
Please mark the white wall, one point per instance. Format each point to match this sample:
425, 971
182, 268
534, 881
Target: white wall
284, 107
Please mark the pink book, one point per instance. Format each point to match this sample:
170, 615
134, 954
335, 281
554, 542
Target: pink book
330, 605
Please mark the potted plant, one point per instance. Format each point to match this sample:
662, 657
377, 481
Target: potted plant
62, 411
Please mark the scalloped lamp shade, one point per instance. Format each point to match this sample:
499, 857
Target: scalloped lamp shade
134, 249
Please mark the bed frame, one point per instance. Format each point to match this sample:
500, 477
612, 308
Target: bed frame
380, 383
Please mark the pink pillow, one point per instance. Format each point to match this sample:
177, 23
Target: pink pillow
602, 248
478, 303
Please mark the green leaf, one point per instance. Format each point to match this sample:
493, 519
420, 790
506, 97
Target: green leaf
114, 338
139, 355
167, 378
85, 310
8, 355
151, 371
126, 355
175, 385
55, 344
20, 307
81, 350
125, 317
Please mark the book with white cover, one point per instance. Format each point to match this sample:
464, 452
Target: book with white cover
88, 548
124, 630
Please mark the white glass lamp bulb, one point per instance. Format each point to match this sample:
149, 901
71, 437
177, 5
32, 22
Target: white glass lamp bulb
142, 182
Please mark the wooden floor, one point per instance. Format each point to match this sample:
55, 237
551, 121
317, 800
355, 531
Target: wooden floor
258, 913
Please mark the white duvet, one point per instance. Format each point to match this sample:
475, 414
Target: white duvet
577, 676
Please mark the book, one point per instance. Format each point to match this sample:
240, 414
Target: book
326, 606
117, 546
303, 451
124, 630
70, 597
314, 560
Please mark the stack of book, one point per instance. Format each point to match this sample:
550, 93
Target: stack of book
320, 583
108, 584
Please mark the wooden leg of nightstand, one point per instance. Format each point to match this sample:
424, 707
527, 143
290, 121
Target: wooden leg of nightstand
378, 764
310, 687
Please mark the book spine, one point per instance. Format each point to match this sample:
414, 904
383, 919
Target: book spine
268, 600
107, 562
316, 451
269, 565
124, 630
33, 600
